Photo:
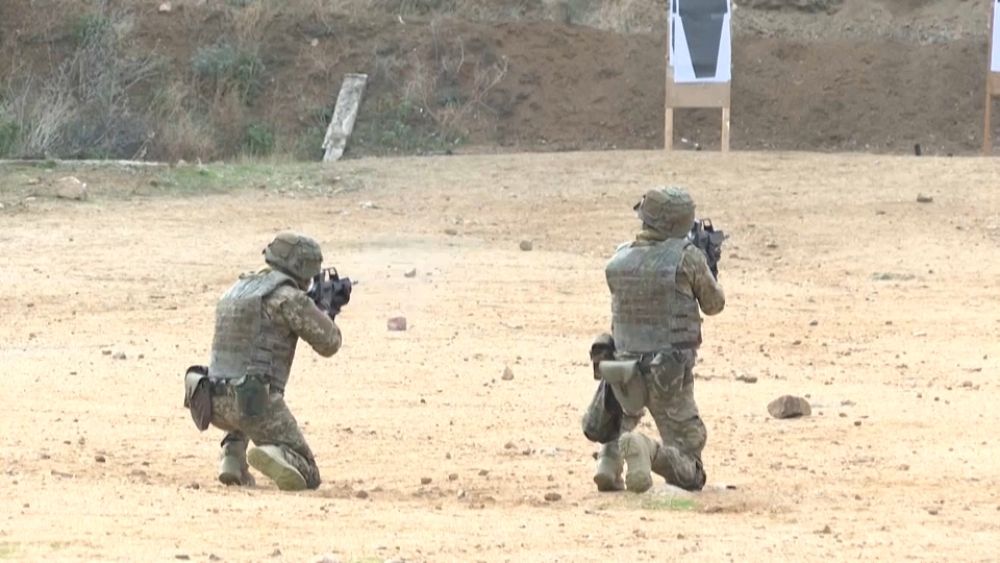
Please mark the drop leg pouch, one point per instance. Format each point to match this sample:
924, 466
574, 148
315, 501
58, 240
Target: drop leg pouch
252, 394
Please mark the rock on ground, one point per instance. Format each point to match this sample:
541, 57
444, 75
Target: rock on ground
70, 187
789, 406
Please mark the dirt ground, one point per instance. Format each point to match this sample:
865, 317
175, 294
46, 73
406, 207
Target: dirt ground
841, 288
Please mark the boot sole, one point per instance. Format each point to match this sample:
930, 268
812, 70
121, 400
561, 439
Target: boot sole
635, 481
607, 483
285, 476
229, 479
233, 480
638, 482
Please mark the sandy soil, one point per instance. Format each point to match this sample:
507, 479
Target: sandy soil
842, 288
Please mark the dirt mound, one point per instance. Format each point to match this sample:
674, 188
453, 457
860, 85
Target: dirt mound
869, 76
808, 6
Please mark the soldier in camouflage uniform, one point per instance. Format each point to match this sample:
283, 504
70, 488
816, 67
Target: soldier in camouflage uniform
258, 323
658, 282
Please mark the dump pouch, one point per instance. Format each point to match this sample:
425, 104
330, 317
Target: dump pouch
603, 417
252, 394
198, 396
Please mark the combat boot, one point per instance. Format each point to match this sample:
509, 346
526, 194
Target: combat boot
271, 461
638, 453
233, 468
234, 471
608, 475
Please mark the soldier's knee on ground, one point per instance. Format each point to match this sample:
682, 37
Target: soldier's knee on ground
679, 469
313, 479
687, 434
285, 467
306, 465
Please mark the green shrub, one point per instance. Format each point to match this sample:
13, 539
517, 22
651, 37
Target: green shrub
258, 140
90, 27
9, 132
397, 125
227, 66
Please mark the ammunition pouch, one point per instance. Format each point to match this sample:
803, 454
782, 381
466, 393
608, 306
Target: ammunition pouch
667, 371
252, 395
198, 396
625, 379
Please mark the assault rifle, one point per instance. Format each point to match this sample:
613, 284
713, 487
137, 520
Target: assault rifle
330, 292
706, 238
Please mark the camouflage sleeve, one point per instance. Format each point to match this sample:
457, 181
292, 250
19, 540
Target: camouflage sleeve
707, 290
306, 320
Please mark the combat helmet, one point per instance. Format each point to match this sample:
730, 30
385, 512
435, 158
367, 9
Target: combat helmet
296, 255
667, 210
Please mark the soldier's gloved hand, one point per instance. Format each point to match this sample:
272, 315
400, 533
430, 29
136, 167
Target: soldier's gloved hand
603, 348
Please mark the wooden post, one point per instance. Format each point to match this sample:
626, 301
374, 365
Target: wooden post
344, 114
725, 129
668, 129
668, 111
695, 95
987, 126
992, 87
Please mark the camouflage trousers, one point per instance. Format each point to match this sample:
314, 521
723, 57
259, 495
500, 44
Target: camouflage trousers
670, 401
275, 426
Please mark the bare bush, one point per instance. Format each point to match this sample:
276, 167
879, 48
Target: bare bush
626, 16
182, 132
452, 88
629, 16
84, 108
251, 21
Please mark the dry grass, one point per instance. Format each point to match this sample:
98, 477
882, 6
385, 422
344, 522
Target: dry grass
251, 22
85, 106
181, 134
626, 16
629, 16
440, 90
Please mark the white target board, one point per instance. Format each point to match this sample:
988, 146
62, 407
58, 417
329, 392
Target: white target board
995, 51
701, 40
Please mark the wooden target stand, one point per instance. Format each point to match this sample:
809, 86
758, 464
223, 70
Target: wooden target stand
992, 85
992, 93
694, 95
